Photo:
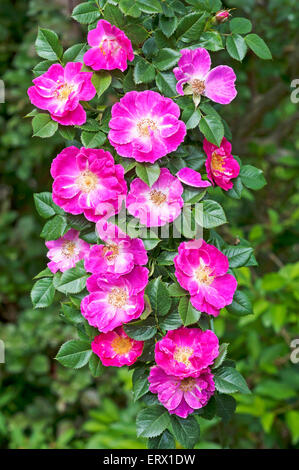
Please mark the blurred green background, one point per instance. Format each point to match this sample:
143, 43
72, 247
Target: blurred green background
43, 405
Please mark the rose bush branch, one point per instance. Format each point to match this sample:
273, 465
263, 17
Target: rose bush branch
137, 103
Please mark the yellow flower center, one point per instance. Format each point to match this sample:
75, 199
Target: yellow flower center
198, 86
87, 181
217, 162
182, 354
203, 275
64, 91
187, 384
145, 125
68, 249
113, 247
121, 345
157, 197
118, 297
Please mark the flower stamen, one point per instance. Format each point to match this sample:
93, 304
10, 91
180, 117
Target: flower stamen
117, 297
157, 197
87, 181
121, 345
145, 126
182, 354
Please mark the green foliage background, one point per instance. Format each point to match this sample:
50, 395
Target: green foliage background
43, 405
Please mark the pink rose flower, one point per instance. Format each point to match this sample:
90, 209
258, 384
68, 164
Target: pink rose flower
202, 270
60, 91
110, 48
181, 396
193, 68
157, 205
118, 256
192, 178
116, 349
221, 166
87, 181
114, 300
65, 252
186, 352
145, 126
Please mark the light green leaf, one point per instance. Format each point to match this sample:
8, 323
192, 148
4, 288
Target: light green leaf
45, 206
47, 45
236, 47
151, 422
54, 228
240, 25
86, 13
43, 126
42, 293
188, 313
258, 46
212, 128
74, 354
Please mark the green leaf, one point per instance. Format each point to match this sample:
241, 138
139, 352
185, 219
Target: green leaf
221, 356
148, 173
42, 293
90, 125
43, 126
78, 222
151, 422
47, 45
252, 177
236, 191
45, 206
166, 82
188, 313
165, 258
95, 365
71, 314
141, 330
114, 15
150, 6
164, 441
42, 67
93, 140
101, 81
140, 382
171, 321
213, 215
73, 280
166, 58
144, 72
225, 406
130, 8
86, 13
240, 25
44, 273
186, 431
241, 304
67, 132
191, 117
236, 47
158, 295
136, 33
175, 290
211, 40
54, 228
292, 420
186, 23
168, 25
75, 53
74, 354
258, 46
238, 255
229, 380
212, 128
194, 32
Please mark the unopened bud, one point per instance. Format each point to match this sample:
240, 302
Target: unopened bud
222, 16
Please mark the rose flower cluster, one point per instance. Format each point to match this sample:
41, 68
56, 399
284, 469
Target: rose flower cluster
145, 126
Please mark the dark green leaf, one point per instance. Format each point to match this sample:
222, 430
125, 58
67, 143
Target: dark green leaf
47, 45
141, 330
54, 228
229, 380
212, 128
241, 304
164, 441
43, 126
86, 13
186, 431
158, 296
258, 46
188, 313
236, 47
